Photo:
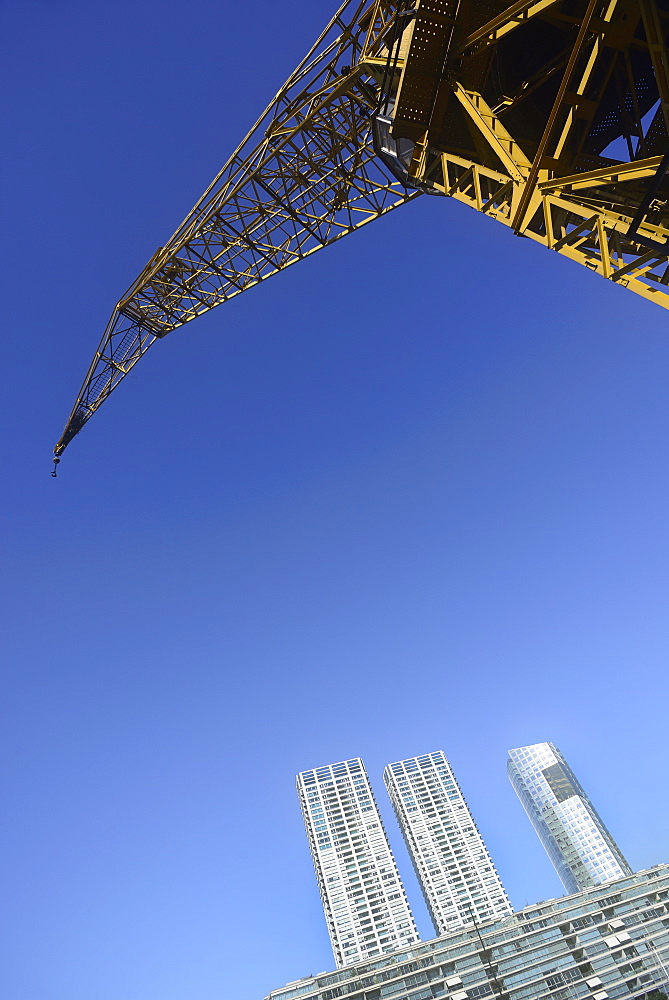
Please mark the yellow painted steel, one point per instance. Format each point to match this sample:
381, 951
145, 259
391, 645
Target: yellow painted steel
549, 116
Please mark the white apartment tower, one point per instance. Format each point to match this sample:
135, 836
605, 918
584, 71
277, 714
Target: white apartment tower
365, 905
456, 873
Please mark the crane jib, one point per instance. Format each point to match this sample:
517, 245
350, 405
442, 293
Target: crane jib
549, 116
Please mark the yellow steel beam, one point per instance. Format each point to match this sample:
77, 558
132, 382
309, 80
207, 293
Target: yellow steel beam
510, 19
402, 96
613, 174
501, 142
528, 190
656, 39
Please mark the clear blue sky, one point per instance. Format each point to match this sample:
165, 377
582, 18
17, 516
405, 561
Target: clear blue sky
411, 494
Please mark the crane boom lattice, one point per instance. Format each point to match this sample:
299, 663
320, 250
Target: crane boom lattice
549, 116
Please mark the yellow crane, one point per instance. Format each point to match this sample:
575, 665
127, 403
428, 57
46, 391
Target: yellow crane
549, 116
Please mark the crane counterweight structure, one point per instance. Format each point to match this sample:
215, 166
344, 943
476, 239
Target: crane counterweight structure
549, 116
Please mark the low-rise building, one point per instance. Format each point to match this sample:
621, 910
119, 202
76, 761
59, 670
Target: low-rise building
609, 942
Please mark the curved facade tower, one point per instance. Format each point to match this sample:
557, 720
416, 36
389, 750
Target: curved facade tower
582, 850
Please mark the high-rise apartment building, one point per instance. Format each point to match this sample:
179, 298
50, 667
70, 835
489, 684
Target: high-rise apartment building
458, 878
365, 905
582, 850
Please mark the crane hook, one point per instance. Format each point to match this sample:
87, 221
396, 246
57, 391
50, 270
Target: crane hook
55, 467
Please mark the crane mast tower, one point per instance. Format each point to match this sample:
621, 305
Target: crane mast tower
549, 116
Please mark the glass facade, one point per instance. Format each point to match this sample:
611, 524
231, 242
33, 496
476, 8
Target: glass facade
605, 943
456, 873
365, 905
582, 850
